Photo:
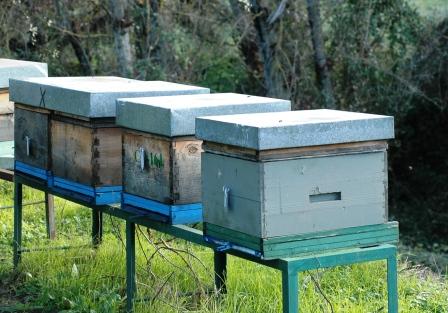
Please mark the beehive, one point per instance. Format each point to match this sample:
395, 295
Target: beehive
161, 164
14, 69
276, 178
67, 130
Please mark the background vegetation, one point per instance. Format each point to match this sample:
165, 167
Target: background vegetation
378, 56
387, 57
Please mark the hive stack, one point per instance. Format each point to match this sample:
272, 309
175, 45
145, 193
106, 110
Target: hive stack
161, 163
282, 184
14, 69
66, 133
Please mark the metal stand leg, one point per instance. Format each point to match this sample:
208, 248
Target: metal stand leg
97, 227
220, 260
130, 266
17, 241
392, 285
50, 216
290, 290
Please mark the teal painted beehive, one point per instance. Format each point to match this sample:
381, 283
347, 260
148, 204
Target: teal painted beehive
162, 159
283, 184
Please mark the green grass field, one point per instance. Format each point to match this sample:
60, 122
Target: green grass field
177, 278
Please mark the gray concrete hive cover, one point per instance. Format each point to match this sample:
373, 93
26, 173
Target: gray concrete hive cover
175, 116
90, 97
17, 69
265, 131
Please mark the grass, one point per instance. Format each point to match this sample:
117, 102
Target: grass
87, 280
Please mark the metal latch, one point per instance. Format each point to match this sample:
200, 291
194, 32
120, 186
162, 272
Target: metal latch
28, 144
142, 158
226, 191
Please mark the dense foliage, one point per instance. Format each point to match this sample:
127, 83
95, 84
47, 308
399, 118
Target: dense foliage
382, 56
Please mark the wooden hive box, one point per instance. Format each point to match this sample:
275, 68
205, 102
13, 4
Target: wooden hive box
73, 125
10, 69
162, 158
278, 183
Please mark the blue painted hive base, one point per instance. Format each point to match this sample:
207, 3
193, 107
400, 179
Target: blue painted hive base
303, 244
96, 195
33, 171
174, 214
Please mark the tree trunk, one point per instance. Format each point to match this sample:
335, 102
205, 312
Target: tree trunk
248, 44
322, 72
81, 54
267, 35
266, 45
120, 26
146, 30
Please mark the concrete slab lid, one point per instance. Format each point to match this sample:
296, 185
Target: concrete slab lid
20, 69
278, 130
175, 116
92, 96
107, 84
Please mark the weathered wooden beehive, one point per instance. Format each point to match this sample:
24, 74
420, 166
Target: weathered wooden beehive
14, 69
161, 163
287, 183
66, 131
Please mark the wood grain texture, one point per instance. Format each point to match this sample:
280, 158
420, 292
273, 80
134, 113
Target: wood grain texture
186, 170
6, 107
281, 154
107, 157
72, 152
6, 127
35, 125
155, 180
172, 170
86, 154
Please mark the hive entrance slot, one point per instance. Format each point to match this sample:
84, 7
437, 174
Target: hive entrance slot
323, 197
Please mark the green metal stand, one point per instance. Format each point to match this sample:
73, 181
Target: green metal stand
290, 267
17, 241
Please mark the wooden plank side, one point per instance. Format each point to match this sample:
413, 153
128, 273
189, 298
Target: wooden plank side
242, 177
332, 233
6, 107
72, 152
186, 171
358, 180
35, 126
367, 242
222, 232
155, 180
107, 157
324, 241
309, 243
287, 153
6, 127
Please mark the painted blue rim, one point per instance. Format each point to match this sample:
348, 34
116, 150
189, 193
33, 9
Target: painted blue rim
178, 214
101, 195
31, 170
